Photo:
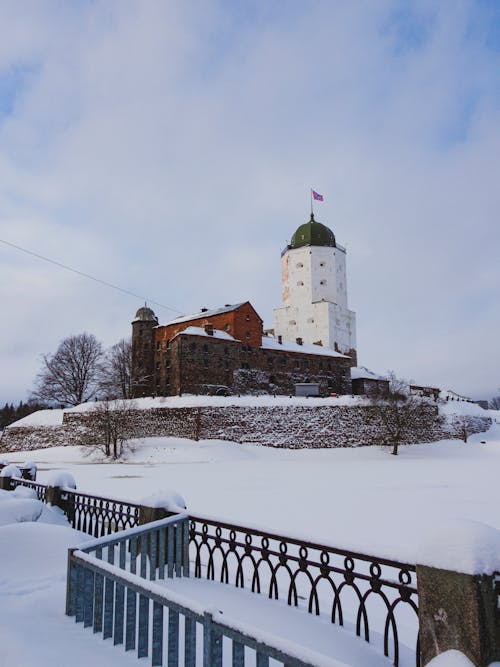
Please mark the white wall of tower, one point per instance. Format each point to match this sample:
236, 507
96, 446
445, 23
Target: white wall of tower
314, 290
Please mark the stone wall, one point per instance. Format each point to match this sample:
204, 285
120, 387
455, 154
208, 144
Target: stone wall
291, 426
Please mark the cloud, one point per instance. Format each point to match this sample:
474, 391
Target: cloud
169, 148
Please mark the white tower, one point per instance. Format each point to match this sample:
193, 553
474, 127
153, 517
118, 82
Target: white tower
314, 285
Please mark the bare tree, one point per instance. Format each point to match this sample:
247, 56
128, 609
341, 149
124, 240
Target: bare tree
110, 424
495, 403
398, 409
71, 375
116, 370
463, 426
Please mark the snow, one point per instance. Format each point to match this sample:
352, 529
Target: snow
204, 314
200, 331
10, 471
55, 417
454, 659
277, 623
41, 418
191, 400
22, 505
272, 622
271, 343
361, 372
459, 408
167, 500
60, 478
361, 498
462, 545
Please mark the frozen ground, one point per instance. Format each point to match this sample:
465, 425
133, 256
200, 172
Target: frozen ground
363, 498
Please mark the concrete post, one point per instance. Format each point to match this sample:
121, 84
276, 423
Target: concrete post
6, 484
458, 611
58, 497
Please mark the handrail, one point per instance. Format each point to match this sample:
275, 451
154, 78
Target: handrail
123, 623
116, 538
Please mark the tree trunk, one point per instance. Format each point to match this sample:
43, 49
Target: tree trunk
395, 449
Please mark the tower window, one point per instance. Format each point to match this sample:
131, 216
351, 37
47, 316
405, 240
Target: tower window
247, 335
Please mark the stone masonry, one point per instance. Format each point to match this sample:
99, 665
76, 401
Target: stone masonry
293, 426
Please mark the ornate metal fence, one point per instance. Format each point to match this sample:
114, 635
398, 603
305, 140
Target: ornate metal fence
99, 516
365, 591
376, 597
118, 595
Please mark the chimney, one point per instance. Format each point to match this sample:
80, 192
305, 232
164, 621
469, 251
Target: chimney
280, 340
298, 341
209, 329
204, 310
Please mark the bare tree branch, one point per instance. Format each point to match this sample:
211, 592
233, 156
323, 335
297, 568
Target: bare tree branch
71, 375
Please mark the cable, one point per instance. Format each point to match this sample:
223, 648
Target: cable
87, 275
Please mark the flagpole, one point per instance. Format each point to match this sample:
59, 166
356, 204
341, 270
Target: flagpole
312, 212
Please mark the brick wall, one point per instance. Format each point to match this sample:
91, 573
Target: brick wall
292, 427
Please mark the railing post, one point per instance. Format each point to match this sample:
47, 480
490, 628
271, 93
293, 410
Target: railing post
169, 545
459, 610
70, 585
7, 475
7, 483
56, 496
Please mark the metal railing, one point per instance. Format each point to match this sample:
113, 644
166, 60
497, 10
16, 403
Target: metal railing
320, 578
323, 579
123, 599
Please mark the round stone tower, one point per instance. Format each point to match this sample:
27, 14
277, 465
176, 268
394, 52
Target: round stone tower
314, 289
142, 369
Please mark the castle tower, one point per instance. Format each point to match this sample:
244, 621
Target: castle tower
142, 370
314, 289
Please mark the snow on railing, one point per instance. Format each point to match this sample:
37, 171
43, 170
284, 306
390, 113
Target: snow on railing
119, 596
376, 597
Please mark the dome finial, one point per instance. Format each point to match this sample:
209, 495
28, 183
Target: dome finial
312, 217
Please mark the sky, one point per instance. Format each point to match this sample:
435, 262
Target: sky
170, 147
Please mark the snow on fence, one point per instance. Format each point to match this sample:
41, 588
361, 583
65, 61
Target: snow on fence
112, 593
368, 594
375, 598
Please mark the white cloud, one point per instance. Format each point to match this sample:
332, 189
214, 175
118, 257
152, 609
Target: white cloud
169, 148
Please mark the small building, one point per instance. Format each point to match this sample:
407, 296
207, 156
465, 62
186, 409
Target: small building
366, 383
427, 392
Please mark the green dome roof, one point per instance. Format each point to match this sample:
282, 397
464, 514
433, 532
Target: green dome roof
145, 314
313, 233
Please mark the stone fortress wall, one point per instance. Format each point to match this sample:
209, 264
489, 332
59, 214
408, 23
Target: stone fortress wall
294, 426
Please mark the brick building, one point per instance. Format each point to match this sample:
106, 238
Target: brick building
226, 349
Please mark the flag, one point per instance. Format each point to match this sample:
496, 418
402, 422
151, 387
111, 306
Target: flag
317, 196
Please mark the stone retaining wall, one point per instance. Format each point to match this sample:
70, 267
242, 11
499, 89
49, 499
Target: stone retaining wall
291, 426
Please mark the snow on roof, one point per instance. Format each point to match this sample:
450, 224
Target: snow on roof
271, 343
363, 373
200, 331
204, 313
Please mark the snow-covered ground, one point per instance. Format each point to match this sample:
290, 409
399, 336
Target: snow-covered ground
363, 499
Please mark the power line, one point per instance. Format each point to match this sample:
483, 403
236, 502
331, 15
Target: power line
87, 275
